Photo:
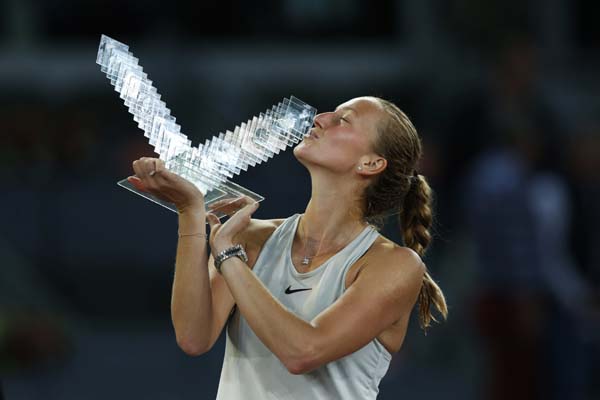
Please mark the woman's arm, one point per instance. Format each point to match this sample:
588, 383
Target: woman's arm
200, 302
384, 291
381, 295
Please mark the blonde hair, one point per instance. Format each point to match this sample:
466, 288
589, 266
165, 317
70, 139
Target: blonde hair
399, 189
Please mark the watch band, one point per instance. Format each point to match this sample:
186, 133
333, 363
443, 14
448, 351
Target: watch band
233, 251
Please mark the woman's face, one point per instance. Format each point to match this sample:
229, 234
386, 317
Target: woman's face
340, 139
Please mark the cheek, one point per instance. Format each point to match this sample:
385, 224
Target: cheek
349, 146
335, 152
342, 152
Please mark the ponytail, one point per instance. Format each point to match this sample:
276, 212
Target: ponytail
415, 219
396, 189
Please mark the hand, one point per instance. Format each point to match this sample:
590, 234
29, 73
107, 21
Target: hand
151, 176
222, 235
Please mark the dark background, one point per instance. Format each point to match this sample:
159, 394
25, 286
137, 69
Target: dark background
504, 94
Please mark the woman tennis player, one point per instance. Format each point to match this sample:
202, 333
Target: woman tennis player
315, 304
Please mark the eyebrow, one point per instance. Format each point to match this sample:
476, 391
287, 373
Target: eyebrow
346, 108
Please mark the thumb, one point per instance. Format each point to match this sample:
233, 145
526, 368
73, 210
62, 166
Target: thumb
212, 220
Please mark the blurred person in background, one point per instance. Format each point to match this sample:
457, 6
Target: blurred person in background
328, 299
531, 295
532, 298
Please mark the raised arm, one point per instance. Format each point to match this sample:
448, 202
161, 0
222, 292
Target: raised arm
384, 292
200, 301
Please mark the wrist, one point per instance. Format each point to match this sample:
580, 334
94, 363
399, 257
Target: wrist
193, 209
192, 217
220, 246
229, 252
192, 223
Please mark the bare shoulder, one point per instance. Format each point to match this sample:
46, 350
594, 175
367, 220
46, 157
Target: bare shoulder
259, 230
396, 263
387, 250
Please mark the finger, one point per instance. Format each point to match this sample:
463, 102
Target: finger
248, 205
251, 208
246, 201
133, 179
163, 172
213, 221
137, 183
230, 200
219, 203
225, 206
149, 165
137, 167
141, 168
231, 206
137, 179
242, 217
159, 165
146, 168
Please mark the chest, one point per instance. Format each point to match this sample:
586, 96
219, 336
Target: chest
304, 266
306, 294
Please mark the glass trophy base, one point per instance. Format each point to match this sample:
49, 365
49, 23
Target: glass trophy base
220, 201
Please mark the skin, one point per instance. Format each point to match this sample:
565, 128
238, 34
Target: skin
382, 286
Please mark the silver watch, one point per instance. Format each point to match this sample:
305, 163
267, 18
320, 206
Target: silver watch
233, 251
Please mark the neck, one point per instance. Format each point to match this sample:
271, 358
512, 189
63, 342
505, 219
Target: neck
333, 212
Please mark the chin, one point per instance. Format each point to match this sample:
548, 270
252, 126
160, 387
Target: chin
302, 153
300, 150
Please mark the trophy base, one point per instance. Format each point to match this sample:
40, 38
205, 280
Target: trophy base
219, 201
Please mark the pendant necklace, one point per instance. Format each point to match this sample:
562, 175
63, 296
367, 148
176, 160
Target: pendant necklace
306, 259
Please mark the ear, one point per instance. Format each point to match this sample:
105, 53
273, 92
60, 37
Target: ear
371, 165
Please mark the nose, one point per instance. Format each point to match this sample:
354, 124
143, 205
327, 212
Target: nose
322, 120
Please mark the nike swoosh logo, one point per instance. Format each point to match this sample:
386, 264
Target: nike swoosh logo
289, 290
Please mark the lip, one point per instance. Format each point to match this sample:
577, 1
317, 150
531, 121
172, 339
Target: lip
313, 134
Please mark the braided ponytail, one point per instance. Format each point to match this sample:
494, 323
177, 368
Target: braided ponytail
398, 188
415, 219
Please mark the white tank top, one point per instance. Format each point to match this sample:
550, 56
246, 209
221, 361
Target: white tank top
252, 372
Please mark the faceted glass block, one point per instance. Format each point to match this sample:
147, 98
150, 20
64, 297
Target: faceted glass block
253, 135
119, 64
251, 145
107, 44
210, 165
226, 155
248, 159
207, 164
246, 143
266, 136
175, 145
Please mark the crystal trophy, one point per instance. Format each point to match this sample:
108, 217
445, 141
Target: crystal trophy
211, 165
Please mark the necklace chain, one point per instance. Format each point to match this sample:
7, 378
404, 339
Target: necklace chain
307, 260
